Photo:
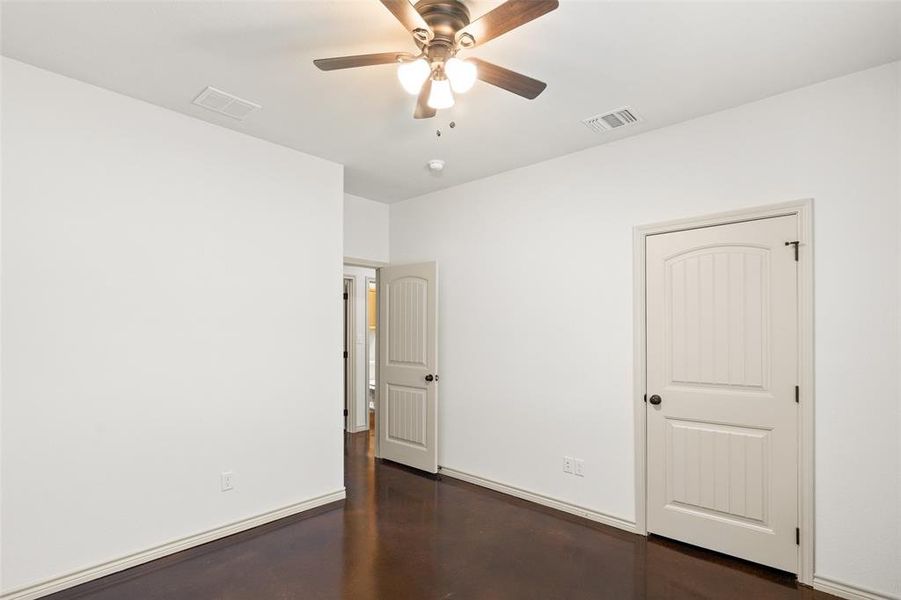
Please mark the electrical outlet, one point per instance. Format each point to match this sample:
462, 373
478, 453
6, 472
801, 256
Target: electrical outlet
568, 464
227, 480
580, 467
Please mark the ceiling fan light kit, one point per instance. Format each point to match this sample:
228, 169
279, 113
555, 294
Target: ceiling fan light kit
441, 29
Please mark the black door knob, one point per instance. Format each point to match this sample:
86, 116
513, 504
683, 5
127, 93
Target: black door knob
655, 399
429, 377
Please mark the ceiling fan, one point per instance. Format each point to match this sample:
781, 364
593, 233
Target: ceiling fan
441, 29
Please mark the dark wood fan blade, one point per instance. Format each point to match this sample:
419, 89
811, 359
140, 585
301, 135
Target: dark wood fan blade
509, 80
507, 16
423, 110
404, 12
360, 60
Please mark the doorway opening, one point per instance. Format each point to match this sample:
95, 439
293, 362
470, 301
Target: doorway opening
392, 360
360, 340
372, 319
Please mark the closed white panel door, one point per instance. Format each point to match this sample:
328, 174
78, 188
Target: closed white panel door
722, 366
408, 351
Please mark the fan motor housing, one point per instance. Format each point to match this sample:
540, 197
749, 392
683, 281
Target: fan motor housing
444, 17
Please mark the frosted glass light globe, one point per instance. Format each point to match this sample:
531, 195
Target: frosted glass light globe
412, 74
462, 74
441, 95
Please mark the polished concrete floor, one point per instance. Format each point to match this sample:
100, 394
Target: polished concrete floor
401, 535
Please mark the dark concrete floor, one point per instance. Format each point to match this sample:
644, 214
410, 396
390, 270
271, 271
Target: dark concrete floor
401, 535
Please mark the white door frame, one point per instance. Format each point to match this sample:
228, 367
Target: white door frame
350, 372
350, 261
804, 211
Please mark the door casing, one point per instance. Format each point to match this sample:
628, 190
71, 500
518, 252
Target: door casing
803, 209
350, 400
377, 265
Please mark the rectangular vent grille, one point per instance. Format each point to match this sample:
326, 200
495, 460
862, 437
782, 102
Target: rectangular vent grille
225, 103
611, 120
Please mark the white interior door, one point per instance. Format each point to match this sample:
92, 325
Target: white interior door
722, 359
408, 360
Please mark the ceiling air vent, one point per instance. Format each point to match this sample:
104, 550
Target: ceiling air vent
225, 103
611, 120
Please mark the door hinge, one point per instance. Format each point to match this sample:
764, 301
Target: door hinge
797, 536
345, 412
345, 354
798, 394
345, 295
795, 244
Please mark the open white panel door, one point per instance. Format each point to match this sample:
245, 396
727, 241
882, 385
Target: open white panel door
408, 360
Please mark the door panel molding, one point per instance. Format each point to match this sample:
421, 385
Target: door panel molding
803, 209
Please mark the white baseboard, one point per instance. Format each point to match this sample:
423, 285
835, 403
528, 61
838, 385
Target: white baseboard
850, 592
132, 560
554, 503
358, 429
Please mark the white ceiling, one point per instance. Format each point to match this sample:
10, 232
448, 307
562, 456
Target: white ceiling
669, 61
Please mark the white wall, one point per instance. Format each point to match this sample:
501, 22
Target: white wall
361, 411
168, 289
536, 302
365, 229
